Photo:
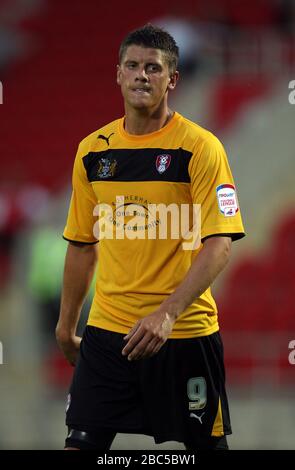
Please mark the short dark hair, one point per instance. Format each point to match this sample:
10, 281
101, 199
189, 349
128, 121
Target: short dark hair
155, 38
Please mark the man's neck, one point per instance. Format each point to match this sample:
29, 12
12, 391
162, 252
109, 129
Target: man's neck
140, 123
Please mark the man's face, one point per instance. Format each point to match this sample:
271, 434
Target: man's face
144, 77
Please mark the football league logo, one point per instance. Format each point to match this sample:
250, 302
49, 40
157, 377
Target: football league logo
227, 200
162, 163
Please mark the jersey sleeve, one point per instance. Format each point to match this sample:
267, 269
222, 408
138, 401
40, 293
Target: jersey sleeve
80, 221
212, 187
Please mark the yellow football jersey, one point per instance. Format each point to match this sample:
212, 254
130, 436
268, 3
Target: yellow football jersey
178, 166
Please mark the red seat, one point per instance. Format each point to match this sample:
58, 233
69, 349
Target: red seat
242, 305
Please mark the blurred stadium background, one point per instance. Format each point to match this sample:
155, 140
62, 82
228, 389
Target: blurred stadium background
57, 68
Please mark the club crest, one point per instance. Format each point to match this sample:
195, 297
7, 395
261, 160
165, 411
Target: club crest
163, 162
106, 168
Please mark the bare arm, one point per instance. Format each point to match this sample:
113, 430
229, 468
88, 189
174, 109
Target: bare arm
149, 334
205, 268
79, 268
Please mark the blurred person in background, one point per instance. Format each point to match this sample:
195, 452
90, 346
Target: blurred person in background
151, 357
44, 277
188, 39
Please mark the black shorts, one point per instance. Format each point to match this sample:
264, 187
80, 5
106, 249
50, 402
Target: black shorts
176, 395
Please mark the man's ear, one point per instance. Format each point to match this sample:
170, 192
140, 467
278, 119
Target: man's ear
173, 80
119, 73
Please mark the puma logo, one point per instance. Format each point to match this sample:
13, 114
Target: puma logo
193, 415
107, 139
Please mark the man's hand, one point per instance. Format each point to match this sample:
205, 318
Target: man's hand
70, 347
148, 335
